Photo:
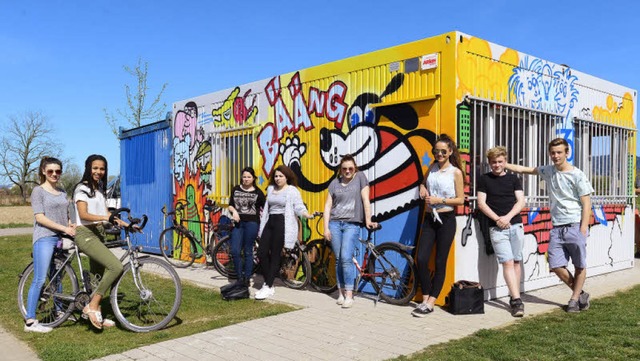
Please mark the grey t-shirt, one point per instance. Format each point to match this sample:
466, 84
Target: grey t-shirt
55, 207
277, 202
347, 199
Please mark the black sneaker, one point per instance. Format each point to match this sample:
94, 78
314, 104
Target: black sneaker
583, 301
422, 310
517, 307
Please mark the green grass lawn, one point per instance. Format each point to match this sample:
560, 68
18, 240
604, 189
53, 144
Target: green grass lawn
202, 309
15, 225
609, 330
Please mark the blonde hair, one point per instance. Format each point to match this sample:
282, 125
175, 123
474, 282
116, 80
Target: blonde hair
496, 152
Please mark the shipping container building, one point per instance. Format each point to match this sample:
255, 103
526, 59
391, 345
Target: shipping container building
387, 107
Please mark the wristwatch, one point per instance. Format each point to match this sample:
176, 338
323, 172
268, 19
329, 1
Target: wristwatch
443, 200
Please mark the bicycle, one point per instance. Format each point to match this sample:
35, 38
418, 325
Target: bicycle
145, 297
295, 267
389, 268
179, 246
323, 262
223, 261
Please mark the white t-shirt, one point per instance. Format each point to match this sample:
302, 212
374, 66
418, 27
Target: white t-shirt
565, 190
96, 205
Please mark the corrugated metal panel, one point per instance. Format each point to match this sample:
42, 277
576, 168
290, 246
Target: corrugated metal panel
145, 154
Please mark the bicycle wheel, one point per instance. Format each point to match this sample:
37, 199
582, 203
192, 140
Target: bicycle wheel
147, 297
294, 268
56, 302
392, 274
221, 257
177, 247
323, 266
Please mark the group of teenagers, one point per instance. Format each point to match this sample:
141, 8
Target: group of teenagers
273, 219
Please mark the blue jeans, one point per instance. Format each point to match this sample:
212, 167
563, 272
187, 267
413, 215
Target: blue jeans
243, 236
42, 254
344, 236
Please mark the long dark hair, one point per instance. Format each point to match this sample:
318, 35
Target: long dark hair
454, 158
44, 163
288, 173
87, 180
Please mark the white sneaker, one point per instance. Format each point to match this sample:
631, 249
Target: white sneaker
265, 292
348, 302
340, 300
37, 327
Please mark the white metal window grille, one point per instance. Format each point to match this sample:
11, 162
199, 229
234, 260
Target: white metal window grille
232, 151
523, 131
602, 153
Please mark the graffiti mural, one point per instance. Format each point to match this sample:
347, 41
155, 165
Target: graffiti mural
236, 110
492, 72
327, 104
538, 84
387, 116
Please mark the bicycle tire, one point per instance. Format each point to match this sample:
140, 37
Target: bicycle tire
392, 274
223, 261
177, 247
323, 266
54, 307
148, 297
221, 257
295, 269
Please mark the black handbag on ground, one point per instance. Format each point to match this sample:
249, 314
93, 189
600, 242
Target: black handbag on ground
466, 297
234, 291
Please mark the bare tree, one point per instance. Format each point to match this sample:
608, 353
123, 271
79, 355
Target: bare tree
137, 110
26, 138
70, 177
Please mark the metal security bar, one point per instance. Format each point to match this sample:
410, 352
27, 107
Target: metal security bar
602, 151
524, 132
232, 150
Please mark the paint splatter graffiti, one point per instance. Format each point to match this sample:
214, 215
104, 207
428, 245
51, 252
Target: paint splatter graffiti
235, 110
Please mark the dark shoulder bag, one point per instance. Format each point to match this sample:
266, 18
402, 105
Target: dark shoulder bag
466, 297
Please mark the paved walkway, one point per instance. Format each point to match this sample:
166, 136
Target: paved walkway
321, 330
324, 331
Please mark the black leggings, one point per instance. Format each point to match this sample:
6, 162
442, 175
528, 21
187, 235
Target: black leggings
440, 235
270, 247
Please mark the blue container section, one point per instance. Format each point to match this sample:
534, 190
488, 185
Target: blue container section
146, 180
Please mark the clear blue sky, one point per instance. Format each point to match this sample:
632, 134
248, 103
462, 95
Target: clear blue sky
65, 58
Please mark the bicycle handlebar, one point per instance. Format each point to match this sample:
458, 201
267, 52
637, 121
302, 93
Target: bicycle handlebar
132, 221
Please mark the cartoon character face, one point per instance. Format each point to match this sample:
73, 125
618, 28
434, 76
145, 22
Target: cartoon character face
223, 115
185, 122
190, 195
361, 142
361, 114
566, 94
180, 157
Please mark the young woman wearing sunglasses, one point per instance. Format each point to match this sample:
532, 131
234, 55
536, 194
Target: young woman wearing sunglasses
442, 190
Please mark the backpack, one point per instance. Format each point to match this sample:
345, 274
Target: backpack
234, 291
